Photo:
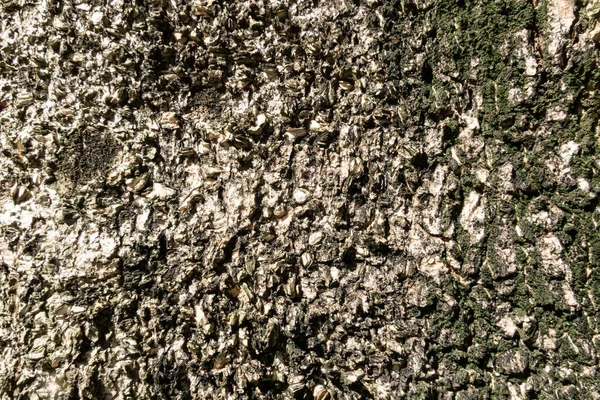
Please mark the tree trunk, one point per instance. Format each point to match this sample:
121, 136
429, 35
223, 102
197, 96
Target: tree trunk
324, 199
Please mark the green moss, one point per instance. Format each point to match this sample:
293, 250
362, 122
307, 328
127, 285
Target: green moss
539, 291
485, 30
521, 296
500, 391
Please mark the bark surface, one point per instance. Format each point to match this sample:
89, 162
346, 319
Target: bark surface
299, 199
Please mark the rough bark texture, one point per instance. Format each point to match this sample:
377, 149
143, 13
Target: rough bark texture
299, 199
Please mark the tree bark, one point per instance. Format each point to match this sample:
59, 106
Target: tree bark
299, 199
